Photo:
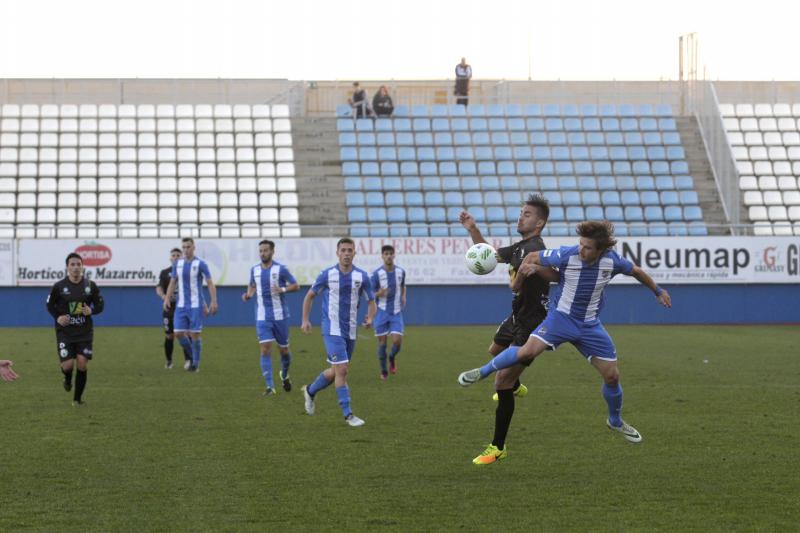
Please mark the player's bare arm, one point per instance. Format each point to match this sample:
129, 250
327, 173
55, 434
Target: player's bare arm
371, 310
530, 269
251, 290
644, 278
292, 287
305, 326
468, 222
212, 291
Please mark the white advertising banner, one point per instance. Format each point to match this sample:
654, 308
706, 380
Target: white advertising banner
428, 260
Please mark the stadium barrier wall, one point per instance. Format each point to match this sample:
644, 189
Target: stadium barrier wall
447, 305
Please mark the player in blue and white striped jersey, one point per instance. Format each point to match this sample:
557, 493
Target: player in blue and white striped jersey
342, 287
389, 284
584, 272
269, 281
188, 274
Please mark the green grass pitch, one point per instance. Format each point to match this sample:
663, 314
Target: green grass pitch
159, 450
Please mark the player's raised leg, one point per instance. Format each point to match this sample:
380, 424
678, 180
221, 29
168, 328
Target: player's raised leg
507, 358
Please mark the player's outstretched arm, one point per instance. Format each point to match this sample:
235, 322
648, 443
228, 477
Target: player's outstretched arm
468, 222
644, 278
305, 326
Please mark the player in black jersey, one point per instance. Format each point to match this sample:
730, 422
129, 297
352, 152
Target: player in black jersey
72, 302
528, 309
168, 315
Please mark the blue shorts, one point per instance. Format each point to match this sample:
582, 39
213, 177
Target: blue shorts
189, 319
592, 339
273, 330
385, 323
339, 349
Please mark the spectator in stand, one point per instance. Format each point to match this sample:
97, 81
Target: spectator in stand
359, 101
463, 75
382, 103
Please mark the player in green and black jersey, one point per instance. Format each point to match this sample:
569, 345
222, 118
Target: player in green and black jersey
72, 302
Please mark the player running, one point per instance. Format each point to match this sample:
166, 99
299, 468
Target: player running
269, 282
187, 276
342, 287
72, 302
584, 272
389, 284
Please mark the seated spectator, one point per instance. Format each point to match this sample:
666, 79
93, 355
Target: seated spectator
359, 101
382, 103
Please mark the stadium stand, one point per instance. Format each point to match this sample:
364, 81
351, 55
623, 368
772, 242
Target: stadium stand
765, 141
147, 171
416, 171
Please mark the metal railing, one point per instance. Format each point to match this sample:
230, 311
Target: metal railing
705, 106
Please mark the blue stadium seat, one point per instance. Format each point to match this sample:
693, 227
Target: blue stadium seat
633, 138
374, 199
679, 167
567, 182
418, 230
459, 124
548, 183
347, 139
448, 168
431, 183
590, 198
621, 230
618, 153
514, 110
409, 168
415, 199
457, 230
490, 183
542, 153
557, 213
663, 110
637, 230
398, 230
497, 124
533, 110
692, 213
359, 231
464, 153
570, 110
373, 183
345, 124
451, 183
583, 167
470, 183
554, 197
677, 229
592, 125
402, 125
344, 110
573, 124
517, 124
500, 137
551, 110
368, 153
506, 167
538, 138
684, 182
406, 153
614, 138
396, 214
473, 198
633, 213
571, 197
401, 111
580, 152
467, 168
585, 182
423, 138
385, 139
648, 124
503, 153
395, 198
556, 138
602, 168
645, 110
462, 138
622, 167
434, 199
365, 124
439, 110
669, 198
508, 182
553, 124
637, 152
598, 152
610, 198
629, 124
588, 110
525, 167
440, 230
421, 124
390, 168
659, 167
476, 110
698, 229
481, 138
366, 139
426, 153
456, 110
610, 124
416, 214
652, 138
667, 124
384, 125
595, 138
443, 139
534, 124
428, 168
529, 183
496, 214
614, 213
576, 138
483, 153
352, 183
357, 214
630, 198
498, 230
411, 183
645, 183
561, 153
665, 183
486, 168
564, 168
649, 198
689, 198
440, 125
436, 214
627, 110
575, 213
348, 153
370, 168
512, 198
351, 169
641, 167
671, 138
445, 153
387, 153
673, 213
675, 153
653, 213
405, 139
354, 199
478, 124
454, 198
419, 111
478, 212
594, 213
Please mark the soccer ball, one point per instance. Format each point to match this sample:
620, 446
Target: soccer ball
481, 259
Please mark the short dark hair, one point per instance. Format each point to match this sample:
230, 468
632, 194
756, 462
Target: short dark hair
345, 240
187, 239
600, 231
387, 248
540, 203
73, 255
176, 250
268, 243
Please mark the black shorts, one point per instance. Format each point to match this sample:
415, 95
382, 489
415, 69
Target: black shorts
72, 349
515, 330
169, 320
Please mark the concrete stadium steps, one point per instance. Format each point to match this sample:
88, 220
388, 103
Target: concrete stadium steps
318, 169
700, 170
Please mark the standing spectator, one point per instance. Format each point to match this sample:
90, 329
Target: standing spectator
359, 101
382, 103
463, 75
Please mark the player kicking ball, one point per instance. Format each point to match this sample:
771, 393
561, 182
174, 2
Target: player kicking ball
584, 272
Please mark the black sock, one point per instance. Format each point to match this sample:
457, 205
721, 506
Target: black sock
80, 384
169, 344
67, 375
502, 417
516, 386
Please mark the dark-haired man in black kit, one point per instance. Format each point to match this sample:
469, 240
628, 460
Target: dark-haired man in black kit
72, 302
168, 315
528, 309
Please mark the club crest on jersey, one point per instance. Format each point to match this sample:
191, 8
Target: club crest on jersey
87, 290
542, 331
63, 352
606, 273
66, 290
